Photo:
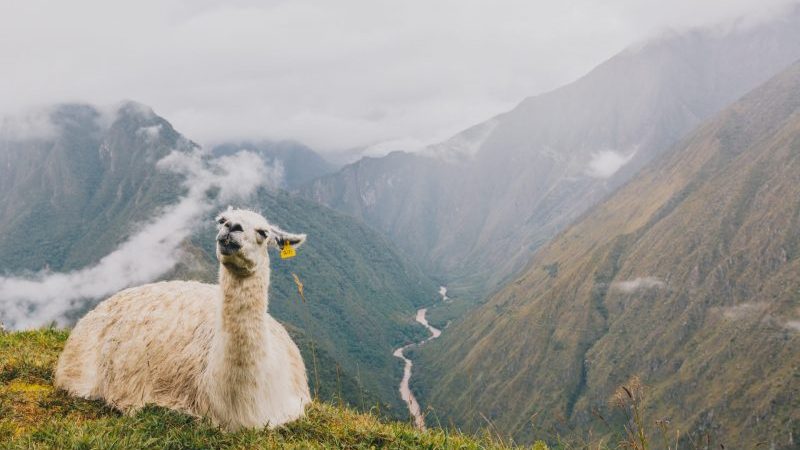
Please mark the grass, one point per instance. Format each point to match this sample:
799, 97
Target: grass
33, 414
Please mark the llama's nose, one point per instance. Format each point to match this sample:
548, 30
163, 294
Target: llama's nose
232, 227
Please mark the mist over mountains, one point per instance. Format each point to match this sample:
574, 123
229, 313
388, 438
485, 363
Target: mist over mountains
473, 209
688, 276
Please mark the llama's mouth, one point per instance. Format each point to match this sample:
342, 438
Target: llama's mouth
228, 247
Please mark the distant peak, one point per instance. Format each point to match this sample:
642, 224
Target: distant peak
132, 108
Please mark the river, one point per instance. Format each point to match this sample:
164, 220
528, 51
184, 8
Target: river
405, 390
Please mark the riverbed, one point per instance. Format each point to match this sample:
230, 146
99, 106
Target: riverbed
405, 390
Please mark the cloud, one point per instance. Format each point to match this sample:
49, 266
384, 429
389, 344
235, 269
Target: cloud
636, 284
334, 75
150, 133
33, 124
606, 163
150, 252
749, 311
743, 311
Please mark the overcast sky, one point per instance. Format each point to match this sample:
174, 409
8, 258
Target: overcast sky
332, 74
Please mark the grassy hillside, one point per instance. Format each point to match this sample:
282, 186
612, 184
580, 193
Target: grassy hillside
35, 415
688, 276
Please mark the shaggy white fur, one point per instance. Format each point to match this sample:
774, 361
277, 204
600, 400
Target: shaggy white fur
207, 350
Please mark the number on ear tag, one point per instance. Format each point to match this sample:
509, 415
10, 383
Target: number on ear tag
287, 251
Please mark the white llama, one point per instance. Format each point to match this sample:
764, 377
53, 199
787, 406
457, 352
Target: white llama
207, 350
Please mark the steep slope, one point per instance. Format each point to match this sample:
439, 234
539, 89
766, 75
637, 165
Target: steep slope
70, 197
474, 208
79, 187
300, 163
688, 276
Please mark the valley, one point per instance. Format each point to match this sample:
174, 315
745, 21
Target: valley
405, 388
687, 277
606, 255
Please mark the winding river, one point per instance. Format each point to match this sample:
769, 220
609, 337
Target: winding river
405, 390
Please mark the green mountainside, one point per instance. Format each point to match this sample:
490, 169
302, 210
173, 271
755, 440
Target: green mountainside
687, 277
85, 189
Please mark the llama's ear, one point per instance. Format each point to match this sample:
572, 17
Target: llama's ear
281, 237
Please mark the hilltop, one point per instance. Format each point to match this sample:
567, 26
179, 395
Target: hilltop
35, 415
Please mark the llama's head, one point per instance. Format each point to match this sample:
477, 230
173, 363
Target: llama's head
244, 238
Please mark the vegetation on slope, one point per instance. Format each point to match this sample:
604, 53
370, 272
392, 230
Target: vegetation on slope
84, 189
35, 415
688, 276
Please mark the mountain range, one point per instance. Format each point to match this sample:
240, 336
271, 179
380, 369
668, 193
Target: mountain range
472, 210
687, 277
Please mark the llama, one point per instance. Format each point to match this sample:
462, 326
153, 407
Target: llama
206, 350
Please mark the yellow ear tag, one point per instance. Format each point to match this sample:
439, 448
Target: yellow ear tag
287, 251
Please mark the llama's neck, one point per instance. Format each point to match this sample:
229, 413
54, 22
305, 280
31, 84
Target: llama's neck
239, 348
244, 300
242, 314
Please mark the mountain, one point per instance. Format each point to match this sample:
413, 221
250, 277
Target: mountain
475, 208
300, 163
74, 191
688, 277
71, 191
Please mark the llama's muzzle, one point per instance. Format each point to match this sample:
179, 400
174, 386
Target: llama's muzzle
227, 245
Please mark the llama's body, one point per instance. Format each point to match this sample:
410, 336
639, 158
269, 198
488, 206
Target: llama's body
207, 350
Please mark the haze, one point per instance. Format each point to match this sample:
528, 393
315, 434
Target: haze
374, 75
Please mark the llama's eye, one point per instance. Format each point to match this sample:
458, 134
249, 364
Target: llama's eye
221, 220
262, 233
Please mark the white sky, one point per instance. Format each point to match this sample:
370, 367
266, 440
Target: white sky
332, 74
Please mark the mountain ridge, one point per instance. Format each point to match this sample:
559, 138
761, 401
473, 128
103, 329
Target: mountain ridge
475, 221
686, 276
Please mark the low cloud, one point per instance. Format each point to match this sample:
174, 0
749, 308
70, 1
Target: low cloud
150, 133
606, 163
334, 75
744, 311
32, 125
757, 311
152, 251
636, 284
